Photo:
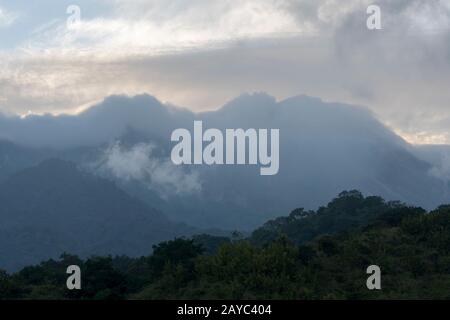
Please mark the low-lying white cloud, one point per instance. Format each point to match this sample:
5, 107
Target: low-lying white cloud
138, 163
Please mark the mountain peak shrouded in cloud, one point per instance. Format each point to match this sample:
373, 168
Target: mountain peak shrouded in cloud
96, 125
117, 115
223, 48
324, 149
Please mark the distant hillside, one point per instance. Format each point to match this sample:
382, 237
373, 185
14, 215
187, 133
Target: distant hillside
14, 158
54, 207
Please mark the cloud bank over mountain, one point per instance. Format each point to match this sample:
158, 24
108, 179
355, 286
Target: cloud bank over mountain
286, 47
324, 148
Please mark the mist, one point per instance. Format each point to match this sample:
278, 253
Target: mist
324, 148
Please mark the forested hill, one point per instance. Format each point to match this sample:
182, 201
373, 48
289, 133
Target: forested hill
55, 207
348, 211
411, 247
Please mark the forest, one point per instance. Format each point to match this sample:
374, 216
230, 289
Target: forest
320, 254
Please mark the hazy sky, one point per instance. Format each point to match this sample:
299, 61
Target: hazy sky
201, 53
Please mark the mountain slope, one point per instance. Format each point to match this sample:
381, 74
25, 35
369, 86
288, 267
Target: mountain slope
54, 207
324, 148
14, 158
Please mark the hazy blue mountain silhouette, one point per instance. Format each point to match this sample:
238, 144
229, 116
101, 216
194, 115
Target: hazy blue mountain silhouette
325, 148
54, 207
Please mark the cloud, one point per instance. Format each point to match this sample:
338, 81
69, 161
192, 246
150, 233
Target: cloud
138, 163
7, 18
200, 54
402, 71
104, 122
442, 170
160, 27
439, 157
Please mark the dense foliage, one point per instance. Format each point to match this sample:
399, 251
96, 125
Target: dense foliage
307, 255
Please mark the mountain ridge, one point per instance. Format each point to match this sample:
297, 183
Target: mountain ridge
325, 147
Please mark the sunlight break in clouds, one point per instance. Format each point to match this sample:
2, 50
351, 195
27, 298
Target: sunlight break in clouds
200, 54
157, 27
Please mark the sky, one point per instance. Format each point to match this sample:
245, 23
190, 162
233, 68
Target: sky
199, 54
